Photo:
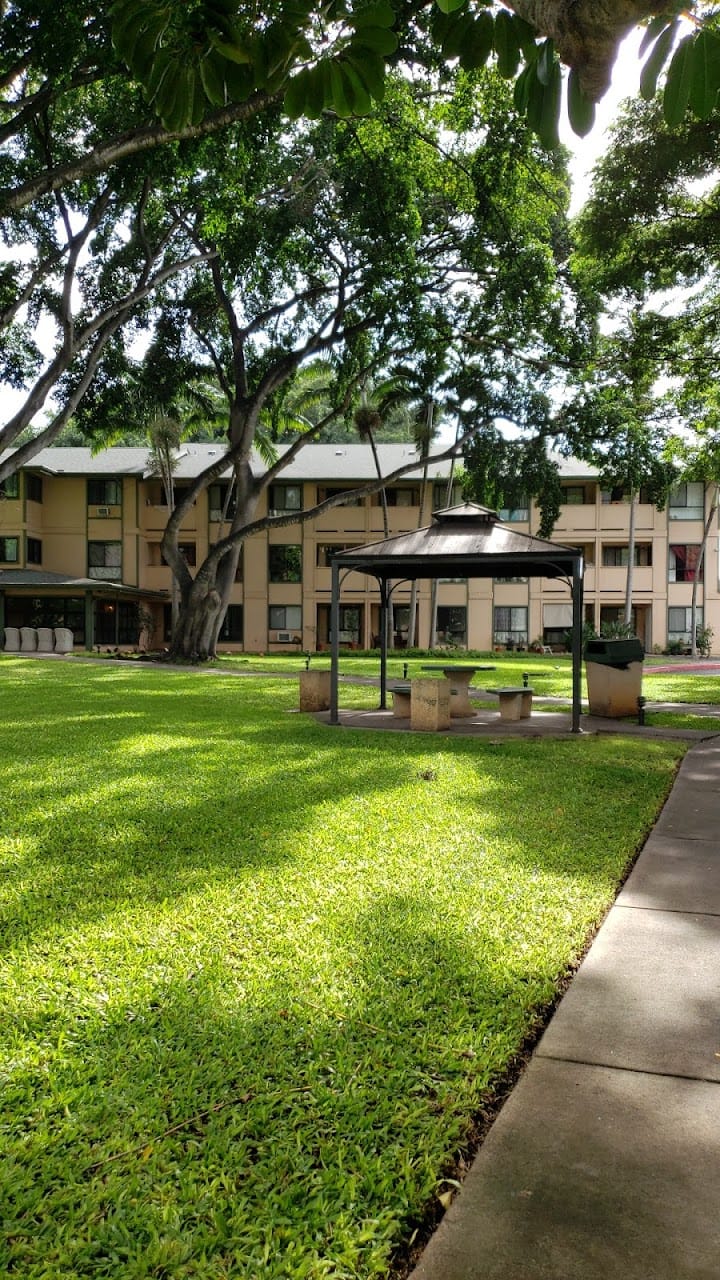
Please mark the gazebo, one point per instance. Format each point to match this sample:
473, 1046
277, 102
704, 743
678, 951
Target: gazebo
466, 541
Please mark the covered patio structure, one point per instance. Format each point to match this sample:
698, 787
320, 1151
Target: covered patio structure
97, 611
466, 541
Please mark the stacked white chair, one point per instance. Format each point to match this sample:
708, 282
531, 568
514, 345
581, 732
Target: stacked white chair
64, 640
28, 640
12, 639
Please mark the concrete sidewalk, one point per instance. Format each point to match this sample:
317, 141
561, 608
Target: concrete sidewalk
604, 1164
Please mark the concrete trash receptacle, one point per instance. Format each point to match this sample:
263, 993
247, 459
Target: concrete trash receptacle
314, 690
613, 669
429, 705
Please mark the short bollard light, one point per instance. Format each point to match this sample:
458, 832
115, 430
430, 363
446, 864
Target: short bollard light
405, 670
641, 709
526, 679
307, 657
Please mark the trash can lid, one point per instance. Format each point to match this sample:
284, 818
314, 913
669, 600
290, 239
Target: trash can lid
614, 653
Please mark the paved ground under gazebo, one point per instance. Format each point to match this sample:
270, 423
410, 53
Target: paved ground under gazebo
541, 724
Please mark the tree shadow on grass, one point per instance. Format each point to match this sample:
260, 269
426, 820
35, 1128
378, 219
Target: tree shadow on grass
145, 791
196, 1127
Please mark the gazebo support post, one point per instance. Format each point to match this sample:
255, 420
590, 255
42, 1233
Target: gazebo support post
577, 628
384, 594
334, 640
89, 620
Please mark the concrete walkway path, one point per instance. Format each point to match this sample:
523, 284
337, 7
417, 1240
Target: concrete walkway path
604, 1164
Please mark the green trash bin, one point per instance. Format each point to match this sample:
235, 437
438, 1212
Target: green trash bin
613, 669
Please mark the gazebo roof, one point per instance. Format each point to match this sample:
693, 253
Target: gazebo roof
464, 541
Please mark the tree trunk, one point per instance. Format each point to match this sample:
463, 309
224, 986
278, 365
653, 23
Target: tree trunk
587, 33
627, 616
412, 621
204, 603
390, 632
698, 572
434, 584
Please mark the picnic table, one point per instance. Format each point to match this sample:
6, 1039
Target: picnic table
460, 678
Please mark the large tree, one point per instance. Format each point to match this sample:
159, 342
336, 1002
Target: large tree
371, 244
80, 136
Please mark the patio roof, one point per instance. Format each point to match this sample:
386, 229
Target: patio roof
42, 579
464, 541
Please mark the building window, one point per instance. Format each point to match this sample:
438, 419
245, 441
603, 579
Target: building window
683, 563
515, 515
34, 488
186, 549
510, 624
398, 497
285, 617
232, 627
105, 560
330, 491
617, 556
34, 551
9, 550
586, 550
10, 487
284, 498
285, 563
505, 580
47, 611
442, 499
680, 624
687, 501
217, 497
574, 495
350, 616
451, 624
326, 551
104, 493
620, 494
611, 615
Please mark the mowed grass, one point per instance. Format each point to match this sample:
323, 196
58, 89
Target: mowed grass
259, 976
549, 674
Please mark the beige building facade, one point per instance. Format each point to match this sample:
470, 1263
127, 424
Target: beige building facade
80, 547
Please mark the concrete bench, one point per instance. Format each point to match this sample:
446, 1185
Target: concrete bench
401, 700
515, 704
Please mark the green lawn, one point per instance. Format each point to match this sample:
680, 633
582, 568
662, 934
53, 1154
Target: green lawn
550, 674
260, 976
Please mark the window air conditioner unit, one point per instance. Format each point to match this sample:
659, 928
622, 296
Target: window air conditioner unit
103, 511
284, 637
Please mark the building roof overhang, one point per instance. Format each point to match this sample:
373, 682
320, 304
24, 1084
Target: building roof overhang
42, 580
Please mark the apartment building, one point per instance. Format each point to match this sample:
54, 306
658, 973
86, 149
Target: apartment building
80, 547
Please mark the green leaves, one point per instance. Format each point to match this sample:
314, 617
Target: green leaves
581, 111
538, 94
693, 76
193, 60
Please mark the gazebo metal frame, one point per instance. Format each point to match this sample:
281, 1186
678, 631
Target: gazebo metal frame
466, 541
